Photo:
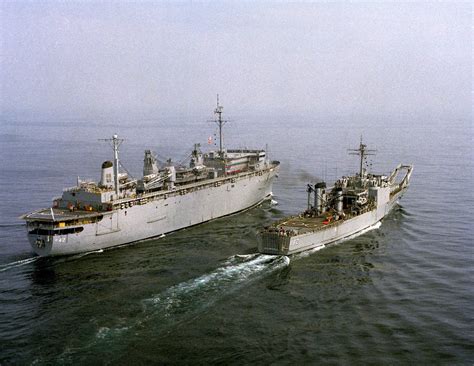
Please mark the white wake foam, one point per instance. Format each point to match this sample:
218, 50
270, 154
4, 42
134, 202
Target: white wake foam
80, 255
307, 252
22, 262
205, 290
191, 296
73, 257
238, 258
12, 225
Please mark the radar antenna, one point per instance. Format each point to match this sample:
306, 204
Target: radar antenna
220, 122
115, 143
363, 152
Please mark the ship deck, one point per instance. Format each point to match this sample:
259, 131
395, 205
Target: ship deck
59, 214
295, 225
301, 224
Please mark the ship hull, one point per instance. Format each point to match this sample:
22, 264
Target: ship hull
161, 215
287, 245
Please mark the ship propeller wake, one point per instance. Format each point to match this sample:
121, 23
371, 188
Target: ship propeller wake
205, 290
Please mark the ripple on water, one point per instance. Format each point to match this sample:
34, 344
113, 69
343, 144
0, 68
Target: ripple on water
177, 304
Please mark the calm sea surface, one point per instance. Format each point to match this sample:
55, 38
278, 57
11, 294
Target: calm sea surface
401, 294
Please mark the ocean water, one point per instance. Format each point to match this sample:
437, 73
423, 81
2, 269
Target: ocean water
399, 294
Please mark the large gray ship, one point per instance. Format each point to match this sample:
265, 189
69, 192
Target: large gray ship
120, 209
353, 205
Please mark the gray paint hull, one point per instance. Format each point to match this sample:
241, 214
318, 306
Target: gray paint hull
284, 245
163, 213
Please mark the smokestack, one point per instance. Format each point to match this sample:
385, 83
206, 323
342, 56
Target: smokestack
172, 178
339, 202
107, 178
319, 196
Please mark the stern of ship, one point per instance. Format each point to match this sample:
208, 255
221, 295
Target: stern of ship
274, 243
42, 244
58, 232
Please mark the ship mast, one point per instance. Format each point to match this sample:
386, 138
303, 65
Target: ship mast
115, 142
362, 151
220, 122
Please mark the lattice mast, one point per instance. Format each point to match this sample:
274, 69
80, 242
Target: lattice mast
220, 122
363, 152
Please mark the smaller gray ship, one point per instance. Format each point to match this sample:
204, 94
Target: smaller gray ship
354, 204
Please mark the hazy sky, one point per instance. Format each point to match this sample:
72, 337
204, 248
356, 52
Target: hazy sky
85, 58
